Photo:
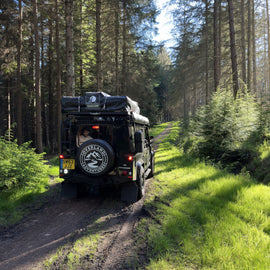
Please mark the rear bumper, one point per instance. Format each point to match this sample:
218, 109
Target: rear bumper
80, 178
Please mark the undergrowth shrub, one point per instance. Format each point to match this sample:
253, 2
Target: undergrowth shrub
20, 166
225, 130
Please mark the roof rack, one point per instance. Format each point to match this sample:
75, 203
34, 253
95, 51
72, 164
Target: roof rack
99, 102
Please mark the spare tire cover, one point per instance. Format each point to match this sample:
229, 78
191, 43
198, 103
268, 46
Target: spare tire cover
95, 157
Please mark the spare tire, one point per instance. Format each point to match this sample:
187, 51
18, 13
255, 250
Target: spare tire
95, 157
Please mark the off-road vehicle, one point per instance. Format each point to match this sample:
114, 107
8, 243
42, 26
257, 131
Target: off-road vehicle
105, 142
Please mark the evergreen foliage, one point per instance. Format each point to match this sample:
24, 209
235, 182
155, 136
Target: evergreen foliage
222, 130
20, 166
128, 64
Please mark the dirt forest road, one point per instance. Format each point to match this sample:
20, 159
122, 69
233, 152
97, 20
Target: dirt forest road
61, 222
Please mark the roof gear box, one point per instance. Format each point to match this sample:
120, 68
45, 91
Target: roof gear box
99, 101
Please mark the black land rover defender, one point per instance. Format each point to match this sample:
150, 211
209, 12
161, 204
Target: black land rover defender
105, 141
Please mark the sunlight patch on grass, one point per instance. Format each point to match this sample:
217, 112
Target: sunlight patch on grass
76, 255
14, 203
209, 219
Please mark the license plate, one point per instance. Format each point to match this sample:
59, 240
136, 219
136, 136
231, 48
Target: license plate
69, 164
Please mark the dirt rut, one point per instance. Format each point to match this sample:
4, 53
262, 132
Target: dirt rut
57, 222
28, 243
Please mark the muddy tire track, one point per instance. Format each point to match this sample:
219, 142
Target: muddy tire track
28, 243
37, 237
122, 254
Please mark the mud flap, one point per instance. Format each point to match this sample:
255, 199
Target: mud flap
69, 190
129, 192
147, 173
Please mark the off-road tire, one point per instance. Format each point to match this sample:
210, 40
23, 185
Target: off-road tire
95, 157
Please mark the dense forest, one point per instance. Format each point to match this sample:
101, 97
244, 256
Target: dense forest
53, 48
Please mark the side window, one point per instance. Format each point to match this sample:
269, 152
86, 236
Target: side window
142, 129
143, 133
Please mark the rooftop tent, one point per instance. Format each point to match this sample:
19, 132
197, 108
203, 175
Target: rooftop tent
99, 101
141, 119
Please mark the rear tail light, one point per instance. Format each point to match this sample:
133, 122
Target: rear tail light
126, 173
130, 158
61, 156
95, 127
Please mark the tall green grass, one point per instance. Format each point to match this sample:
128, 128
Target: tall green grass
205, 218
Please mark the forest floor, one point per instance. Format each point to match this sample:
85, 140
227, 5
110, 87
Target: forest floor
51, 236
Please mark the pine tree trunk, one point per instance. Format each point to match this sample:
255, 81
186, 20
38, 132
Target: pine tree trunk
219, 39
216, 60
42, 80
185, 104
124, 51
81, 44
243, 42
37, 81
30, 129
206, 52
233, 49
194, 107
51, 122
98, 45
8, 109
249, 46
268, 39
58, 77
254, 71
19, 89
70, 87
116, 46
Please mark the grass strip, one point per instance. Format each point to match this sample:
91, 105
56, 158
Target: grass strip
204, 218
75, 255
157, 129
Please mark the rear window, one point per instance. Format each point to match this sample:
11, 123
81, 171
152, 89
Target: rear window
97, 131
112, 129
